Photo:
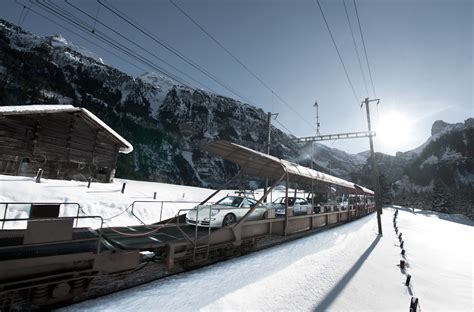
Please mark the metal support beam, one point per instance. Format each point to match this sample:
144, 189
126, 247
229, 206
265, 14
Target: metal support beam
337, 136
375, 175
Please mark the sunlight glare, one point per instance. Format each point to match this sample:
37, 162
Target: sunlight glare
393, 129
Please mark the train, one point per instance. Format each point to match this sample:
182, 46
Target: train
54, 262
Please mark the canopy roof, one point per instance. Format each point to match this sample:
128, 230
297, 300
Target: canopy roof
125, 147
254, 163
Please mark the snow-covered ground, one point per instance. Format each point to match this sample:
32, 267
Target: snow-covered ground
104, 199
346, 268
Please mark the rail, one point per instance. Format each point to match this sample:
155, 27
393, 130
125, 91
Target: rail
9, 204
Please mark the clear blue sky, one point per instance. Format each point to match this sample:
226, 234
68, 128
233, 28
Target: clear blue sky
420, 53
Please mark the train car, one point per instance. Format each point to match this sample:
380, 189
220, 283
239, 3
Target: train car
54, 263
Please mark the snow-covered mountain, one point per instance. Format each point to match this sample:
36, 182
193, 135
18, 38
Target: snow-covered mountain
440, 172
165, 121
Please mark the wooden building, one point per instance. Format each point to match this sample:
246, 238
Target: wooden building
67, 142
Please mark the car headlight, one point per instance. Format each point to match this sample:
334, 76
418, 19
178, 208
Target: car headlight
214, 211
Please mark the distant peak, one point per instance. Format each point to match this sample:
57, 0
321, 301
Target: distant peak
59, 38
158, 80
438, 126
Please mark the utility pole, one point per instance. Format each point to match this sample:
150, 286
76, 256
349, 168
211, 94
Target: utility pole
269, 133
375, 177
353, 135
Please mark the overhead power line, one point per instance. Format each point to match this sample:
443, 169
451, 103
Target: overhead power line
237, 60
168, 47
338, 53
71, 19
365, 50
284, 127
355, 47
96, 21
84, 27
83, 38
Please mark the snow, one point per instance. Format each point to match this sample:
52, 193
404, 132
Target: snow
448, 128
60, 97
104, 199
33, 109
440, 257
432, 160
58, 41
347, 268
451, 155
188, 156
161, 84
30, 109
125, 150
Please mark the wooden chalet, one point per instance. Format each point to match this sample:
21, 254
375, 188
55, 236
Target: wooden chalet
66, 142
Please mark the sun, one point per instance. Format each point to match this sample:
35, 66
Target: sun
393, 130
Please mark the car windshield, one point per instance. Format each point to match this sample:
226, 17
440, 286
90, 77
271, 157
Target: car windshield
281, 200
231, 201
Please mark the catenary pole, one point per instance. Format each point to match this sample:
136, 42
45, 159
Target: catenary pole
269, 133
378, 204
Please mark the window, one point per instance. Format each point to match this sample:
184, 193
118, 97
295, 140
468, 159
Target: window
248, 203
230, 201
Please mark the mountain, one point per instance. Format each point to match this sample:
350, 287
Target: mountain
165, 121
439, 173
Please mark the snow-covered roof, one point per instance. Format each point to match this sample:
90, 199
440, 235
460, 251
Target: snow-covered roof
255, 163
51, 109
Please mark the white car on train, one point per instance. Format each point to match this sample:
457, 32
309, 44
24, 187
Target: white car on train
300, 206
226, 211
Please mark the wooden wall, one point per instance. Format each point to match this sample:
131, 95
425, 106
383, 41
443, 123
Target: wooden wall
64, 145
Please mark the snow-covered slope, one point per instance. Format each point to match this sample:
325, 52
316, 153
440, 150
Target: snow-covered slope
348, 268
332, 160
58, 41
438, 129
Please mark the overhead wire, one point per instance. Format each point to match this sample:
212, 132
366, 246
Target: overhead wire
21, 15
284, 127
338, 53
355, 47
135, 44
84, 27
168, 47
365, 50
237, 60
82, 37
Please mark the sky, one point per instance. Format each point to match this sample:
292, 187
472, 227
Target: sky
419, 52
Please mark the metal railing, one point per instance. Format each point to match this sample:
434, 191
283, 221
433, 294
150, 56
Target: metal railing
208, 245
161, 202
10, 204
99, 240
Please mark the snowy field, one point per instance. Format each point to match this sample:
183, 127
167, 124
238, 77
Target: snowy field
104, 199
348, 268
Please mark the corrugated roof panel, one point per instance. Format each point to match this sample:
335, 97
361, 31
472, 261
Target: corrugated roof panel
256, 163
